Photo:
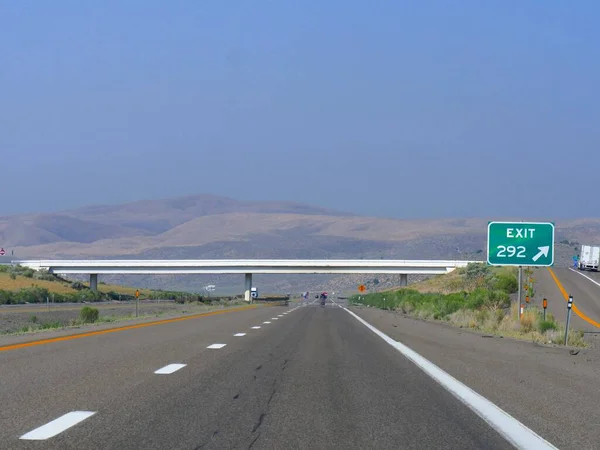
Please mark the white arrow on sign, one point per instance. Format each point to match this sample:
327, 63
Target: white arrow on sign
543, 251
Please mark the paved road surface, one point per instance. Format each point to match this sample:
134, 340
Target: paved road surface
586, 295
312, 378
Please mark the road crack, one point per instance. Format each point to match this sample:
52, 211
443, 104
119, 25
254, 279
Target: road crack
254, 441
260, 421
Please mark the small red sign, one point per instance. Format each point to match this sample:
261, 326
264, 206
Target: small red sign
2, 252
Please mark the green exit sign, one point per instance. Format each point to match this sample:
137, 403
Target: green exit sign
520, 243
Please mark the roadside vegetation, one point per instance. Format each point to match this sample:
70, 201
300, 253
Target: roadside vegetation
477, 297
40, 321
21, 285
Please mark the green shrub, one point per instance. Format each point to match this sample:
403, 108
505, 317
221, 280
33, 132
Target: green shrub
475, 299
43, 274
13, 276
546, 325
78, 286
507, 283
88, 314
497, 299
28, 273
51, 325
475, 271
5, 268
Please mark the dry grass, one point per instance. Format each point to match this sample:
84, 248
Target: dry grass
121, 289
8, 284
443, 284
22, 322
453, 282
500, 323
21, 282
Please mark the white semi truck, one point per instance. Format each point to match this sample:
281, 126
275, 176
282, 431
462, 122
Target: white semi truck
589, 257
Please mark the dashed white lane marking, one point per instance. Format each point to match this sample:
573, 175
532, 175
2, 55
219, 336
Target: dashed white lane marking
239, 334
274, 318
510, 428
255, 328
170, 369
57, 426
280, 315
217, 346
266, 322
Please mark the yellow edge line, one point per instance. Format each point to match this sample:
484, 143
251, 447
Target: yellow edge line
566, 296
114, 330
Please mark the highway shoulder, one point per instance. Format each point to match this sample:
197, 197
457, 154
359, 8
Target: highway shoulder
539, 386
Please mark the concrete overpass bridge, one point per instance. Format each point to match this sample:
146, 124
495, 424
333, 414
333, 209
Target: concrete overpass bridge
244, 266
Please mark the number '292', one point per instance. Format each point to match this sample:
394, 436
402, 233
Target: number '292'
510, 251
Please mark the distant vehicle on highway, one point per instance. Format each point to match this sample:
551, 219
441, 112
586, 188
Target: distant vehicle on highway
589, 257
323, 298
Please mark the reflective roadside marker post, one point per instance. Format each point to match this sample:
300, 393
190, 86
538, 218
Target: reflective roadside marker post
569, 307
545, 305
137, 303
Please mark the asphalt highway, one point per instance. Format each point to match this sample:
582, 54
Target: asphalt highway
556, 285
297, 377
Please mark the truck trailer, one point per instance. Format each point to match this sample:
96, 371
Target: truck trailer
589, 257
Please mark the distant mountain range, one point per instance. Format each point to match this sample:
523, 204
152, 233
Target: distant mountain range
212, 227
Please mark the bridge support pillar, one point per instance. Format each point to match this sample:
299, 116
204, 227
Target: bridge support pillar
248, 287
94, 282
403, 279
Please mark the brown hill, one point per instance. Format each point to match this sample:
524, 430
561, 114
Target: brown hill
143, 218
207, 226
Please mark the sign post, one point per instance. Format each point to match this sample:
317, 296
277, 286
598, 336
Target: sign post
137, 303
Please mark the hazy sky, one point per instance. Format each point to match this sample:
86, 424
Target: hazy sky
393, 108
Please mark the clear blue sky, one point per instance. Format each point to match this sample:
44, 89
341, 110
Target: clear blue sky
390, 108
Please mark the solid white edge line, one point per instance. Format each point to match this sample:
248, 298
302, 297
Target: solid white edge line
57, 426
169, 369
239, 334
507, 426
584, 276
216, 346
